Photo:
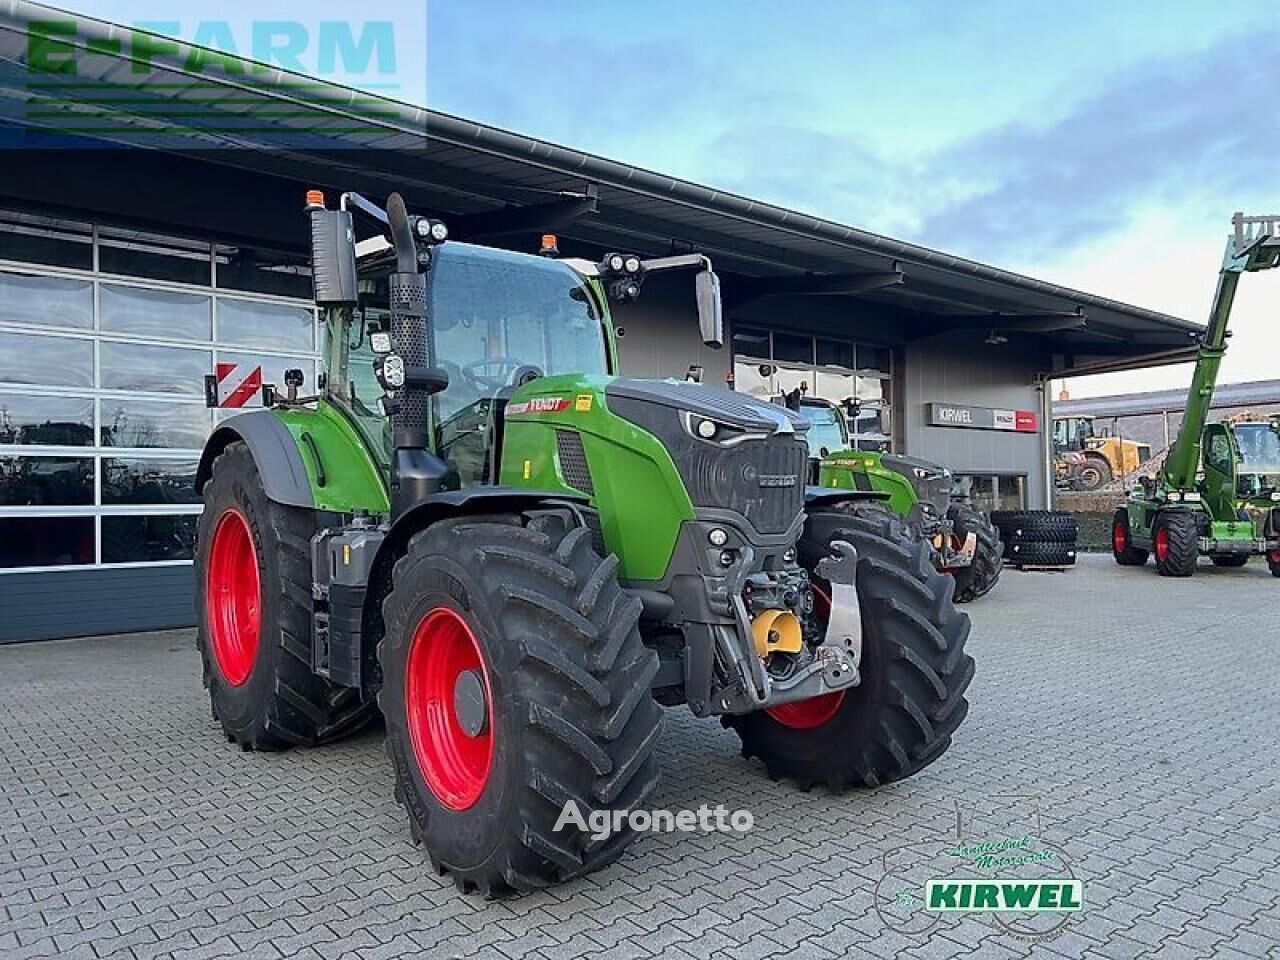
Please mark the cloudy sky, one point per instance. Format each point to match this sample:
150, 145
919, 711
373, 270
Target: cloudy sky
1096, 144
1100, 145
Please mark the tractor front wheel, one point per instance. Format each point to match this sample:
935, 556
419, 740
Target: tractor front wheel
253, 610
1175, 537
515, 683
982, 574
1122, 548
914, 668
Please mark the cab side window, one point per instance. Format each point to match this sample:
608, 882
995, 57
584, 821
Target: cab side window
1217, 454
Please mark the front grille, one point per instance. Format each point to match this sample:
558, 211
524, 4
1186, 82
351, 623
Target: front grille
761, 479
573, 461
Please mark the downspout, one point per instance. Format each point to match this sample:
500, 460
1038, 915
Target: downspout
1044, 386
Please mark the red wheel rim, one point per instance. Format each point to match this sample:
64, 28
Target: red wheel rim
1162, 543
454, 763
814, 712
1274, 557
233, 598
1119, 537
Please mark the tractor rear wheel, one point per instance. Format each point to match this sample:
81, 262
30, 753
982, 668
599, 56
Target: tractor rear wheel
253, 610
1122, 548
514, 683
1175, 537
914, 668
1230, 560
981, 575
1273, 562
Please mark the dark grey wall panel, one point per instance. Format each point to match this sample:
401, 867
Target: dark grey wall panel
42, 606
960, 368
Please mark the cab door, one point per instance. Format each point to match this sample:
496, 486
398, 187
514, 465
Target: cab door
1219, 485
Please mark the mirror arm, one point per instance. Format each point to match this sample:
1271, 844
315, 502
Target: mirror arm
671, 263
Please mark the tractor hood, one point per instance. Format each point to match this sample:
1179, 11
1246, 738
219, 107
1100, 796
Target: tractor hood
725, 407
913, 467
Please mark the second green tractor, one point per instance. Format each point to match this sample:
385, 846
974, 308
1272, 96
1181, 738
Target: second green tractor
963, 540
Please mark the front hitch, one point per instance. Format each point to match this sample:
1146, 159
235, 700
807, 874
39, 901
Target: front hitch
835, 661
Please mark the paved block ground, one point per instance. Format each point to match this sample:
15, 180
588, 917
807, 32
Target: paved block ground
1137, 716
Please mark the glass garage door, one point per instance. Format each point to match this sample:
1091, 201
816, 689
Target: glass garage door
106, 335
770, 363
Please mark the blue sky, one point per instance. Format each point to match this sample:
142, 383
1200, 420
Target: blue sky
1099, 145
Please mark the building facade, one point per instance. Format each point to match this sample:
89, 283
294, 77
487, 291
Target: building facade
133, 266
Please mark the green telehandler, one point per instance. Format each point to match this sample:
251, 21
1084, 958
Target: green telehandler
1218, 492
478, 527
964, 541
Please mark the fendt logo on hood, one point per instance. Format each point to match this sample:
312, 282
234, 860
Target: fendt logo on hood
749, 474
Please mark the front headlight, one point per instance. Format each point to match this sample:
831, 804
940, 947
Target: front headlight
1191, 496
1173, 496
390, 371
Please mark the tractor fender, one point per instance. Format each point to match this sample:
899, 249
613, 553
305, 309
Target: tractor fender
822, 496
469, 501
284, 475
475, 500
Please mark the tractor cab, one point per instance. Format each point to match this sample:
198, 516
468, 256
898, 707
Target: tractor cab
1257, 458
499, 321
828, 432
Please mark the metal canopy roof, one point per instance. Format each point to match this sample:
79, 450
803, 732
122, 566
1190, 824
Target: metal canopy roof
490, 182
1255, 393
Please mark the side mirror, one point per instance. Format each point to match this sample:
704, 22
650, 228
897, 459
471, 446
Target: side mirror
710, 311
333, 257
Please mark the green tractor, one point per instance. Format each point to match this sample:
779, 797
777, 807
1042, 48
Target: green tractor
477, 526
1218, 492
964, 542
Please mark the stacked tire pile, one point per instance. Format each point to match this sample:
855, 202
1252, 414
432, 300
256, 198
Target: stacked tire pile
1037, 538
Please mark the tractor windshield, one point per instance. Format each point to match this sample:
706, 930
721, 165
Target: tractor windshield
826, 430
1259, 445
494, 312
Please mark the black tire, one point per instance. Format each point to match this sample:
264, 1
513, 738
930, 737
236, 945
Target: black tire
1273, 562
1035, 526
979, 577
1230, 560
915, 671
1021, 553
1122, 548
572, 714
1180, 531
1093, 474
281, 703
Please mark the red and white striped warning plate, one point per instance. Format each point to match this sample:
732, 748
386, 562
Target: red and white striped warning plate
238, 383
